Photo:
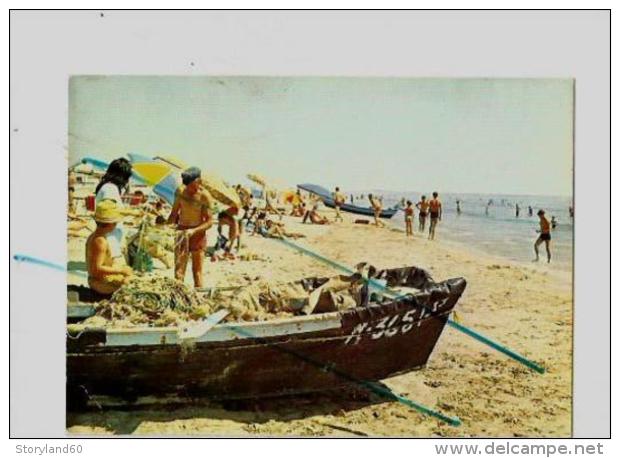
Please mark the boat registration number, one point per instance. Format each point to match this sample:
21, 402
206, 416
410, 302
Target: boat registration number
390, 325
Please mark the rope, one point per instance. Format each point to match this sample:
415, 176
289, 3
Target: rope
376, 388
467, 331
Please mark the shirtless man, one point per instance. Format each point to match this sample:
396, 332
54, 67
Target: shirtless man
191, 213
104, 276
375, 203
434, 205
422, 207
338, 202
545, 235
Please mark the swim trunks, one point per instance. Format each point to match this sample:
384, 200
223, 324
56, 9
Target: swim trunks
422, 214
434, 215
546, 237
197, 242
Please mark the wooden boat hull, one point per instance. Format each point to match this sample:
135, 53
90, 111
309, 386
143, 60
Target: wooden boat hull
249, 360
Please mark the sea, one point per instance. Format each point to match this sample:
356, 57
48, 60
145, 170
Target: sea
496, 231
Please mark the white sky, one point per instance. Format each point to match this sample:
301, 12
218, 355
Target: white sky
451, 135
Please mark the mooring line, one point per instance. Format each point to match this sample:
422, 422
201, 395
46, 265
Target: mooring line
376, 388
459, 327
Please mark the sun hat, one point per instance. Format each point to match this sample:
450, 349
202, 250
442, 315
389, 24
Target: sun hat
107, 212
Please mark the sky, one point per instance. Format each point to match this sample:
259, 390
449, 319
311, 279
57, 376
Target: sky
495, 136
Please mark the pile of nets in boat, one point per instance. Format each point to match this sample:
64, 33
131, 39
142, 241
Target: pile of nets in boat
151, 300
158, 301
264, 301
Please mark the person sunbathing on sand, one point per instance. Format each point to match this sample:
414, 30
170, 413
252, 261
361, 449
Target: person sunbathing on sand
298, 210
104, 276
278, 231
314, 217
259, 223
377, 207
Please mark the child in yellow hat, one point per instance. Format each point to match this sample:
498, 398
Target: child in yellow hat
103, 276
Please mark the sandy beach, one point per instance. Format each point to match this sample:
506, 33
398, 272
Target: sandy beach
528, 307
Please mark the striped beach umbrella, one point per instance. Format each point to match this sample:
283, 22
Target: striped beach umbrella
164, 178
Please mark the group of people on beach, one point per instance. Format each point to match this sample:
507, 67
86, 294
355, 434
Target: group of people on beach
431, 209
191, 216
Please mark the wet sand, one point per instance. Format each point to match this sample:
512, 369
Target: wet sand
528, 307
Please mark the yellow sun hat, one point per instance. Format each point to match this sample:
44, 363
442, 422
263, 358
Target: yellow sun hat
107, 212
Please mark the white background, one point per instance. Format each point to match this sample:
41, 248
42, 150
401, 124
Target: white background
47, 47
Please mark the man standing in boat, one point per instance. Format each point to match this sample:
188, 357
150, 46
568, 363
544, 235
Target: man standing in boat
338, 202
434, 206
191, 213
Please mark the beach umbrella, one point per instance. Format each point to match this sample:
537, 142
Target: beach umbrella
164, 178
220, 190
291, 197
173, 161
95, 163
258, 179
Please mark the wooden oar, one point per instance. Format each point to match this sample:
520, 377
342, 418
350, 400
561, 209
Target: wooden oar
199, 329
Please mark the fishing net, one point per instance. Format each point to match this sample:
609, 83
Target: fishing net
158, 301
153, 300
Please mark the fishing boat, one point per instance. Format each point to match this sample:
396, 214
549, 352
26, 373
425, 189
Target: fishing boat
328, 200
392, 330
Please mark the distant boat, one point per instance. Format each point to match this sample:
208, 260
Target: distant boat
328, 200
